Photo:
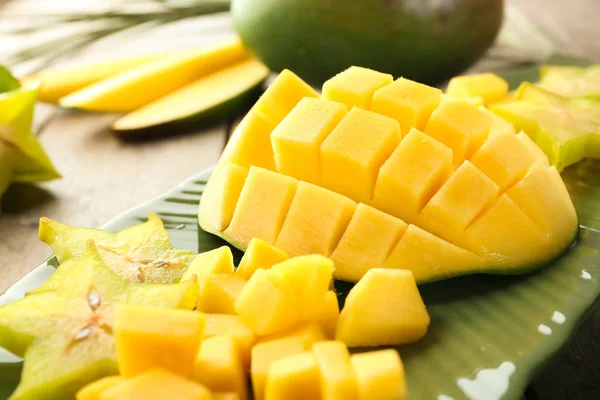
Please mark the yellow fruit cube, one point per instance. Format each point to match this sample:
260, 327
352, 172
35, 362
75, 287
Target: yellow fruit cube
540, 157
355, 86
217, 261
265, 354
157, 384
262, 207
218, 293
226, 324
490, 87
330, 312
264, 306
219, 366
294, 377
460, 126
380, 375
338, 379
94, 390
412, 175
308, 332
499, 125
220, 198
148, 337
383, 308
357, 252
350, 167
297, 139
259, 255
315, 222
408, 102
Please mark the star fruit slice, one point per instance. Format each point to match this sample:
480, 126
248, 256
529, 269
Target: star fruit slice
139, 254
65, 334
566, 129
571, 81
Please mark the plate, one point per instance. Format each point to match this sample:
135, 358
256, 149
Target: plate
489, 335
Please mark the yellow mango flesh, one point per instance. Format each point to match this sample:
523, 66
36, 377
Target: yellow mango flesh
338, 379
140, 86
355, 86
225, 396
226, 324
380, 375
158, 384
259, 255
330, 312
294, 377
217, 261
300, 135
309, 333
264, 355
383, 308
219, 366
93, 390
490, 87
350, 167
148, 338
408, 102
218, 292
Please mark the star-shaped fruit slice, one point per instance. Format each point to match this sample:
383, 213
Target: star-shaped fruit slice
139, 254
571, 81
65, 334
566, 129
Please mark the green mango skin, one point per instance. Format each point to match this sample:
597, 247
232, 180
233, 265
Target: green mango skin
426, 41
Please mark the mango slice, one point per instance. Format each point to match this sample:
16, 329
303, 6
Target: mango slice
158, 384
330, 313
294, 377
383, 308
94, 390
217, 261
355, 86
259, 255
218, 293
569, 81
490, 87
68, 330
338, 379
225, 324
380, 375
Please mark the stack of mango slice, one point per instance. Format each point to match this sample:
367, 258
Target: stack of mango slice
382, 173
161, 92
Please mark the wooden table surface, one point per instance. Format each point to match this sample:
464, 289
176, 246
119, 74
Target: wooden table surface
103, 176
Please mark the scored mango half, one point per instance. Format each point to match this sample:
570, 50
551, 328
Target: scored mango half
441, 188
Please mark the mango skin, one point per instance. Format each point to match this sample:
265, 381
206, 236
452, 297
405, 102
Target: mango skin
321, 38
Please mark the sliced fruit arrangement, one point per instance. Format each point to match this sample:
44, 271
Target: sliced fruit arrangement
447, 188
570, 81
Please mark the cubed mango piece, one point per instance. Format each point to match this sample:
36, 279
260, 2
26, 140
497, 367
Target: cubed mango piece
264, 354
157, 384
383, 308
348, 166
226, 324
540, 157
330, 312
262, 207
94, 390
355, 86
499, 124
490, 87
219, 366
217, 261
259, 255
315, 222
338, 379
294, 377
149, 337
408, 102
380, 375
297, 139
308, 332
218, 293
357, 252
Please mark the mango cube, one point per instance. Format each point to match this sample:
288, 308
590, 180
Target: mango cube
460, 126
94, 390
380, 375
408, 102
308, 332
338, 379
262, 207
157, 384
315, 221
330, 312
490, 87
540, 158
355, 86
218, 293
259, 255
383, 308
294, 377
297, 139
412, 175
220, 197
265, 354
350, 167
357, 252
217, 261
226, 324
148, 337
219, 366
